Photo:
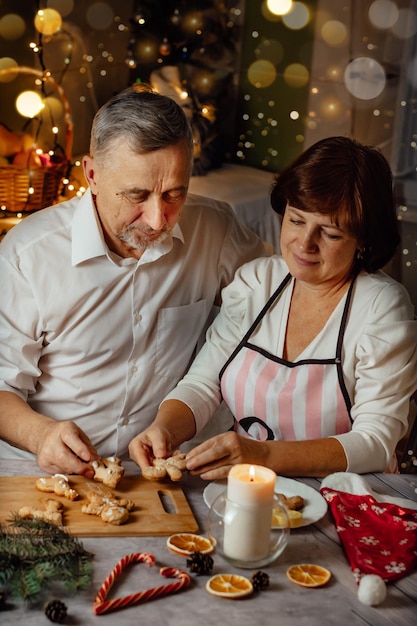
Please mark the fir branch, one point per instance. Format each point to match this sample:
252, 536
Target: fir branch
34, 553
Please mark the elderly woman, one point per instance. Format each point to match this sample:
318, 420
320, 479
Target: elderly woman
314, 351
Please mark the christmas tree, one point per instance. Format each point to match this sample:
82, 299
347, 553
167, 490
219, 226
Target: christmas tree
188, 50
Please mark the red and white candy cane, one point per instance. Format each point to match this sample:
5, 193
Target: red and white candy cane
101, 605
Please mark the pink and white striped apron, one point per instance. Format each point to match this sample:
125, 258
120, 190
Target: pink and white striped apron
271, 398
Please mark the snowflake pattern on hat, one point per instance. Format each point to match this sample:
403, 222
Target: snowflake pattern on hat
378, 537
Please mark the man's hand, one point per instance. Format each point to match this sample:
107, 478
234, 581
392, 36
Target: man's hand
64, 448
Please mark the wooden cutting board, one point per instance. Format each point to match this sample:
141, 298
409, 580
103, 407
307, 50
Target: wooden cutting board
160, 508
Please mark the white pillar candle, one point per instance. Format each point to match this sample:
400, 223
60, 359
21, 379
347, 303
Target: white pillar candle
247, 521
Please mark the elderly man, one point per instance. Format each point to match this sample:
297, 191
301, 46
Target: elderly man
104, 298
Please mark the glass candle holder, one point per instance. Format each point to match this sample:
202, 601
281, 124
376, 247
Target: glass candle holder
246, 535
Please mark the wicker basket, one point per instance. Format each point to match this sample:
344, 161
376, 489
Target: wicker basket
45, 181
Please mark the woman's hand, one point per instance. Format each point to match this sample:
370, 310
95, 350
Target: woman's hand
62, 447
214, 458
153, 443
173, 424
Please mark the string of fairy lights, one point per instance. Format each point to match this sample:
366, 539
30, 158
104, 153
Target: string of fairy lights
34, 105
361, 80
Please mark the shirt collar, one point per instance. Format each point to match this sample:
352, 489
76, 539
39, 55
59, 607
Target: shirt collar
87, 235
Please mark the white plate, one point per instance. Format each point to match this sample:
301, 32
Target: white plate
315, 506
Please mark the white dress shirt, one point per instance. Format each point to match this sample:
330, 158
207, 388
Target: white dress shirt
92, 337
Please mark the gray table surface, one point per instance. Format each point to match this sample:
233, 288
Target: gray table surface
282, 603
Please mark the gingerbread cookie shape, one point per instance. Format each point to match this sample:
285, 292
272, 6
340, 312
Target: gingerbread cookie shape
108, 471
51, 513
57, 484
172, 467
111, 509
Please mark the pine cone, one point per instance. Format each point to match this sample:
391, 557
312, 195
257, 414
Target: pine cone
200, 563
56, 611
260, 581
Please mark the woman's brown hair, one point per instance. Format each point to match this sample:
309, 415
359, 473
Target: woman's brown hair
352, 183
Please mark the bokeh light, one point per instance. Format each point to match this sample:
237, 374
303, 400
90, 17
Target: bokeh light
334, 73
12, 26
330, 107
271, 50
6, 63
279, 7
261, 73
296, 75
266, 13
48, 21
99, 15
383, 13
202, 82
192, 22
365, 78
64, 7
29, 103
54, 106
334, 33
406, 25
146, 50
298, 17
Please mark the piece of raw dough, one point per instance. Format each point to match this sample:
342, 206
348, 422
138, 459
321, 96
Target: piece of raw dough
108, 471
172, 467
51, 513
58, 484
111, 509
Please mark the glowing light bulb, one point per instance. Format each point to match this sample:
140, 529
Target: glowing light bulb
29, 103
48, 21
279, 7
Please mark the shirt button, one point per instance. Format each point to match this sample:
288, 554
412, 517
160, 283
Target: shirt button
138, 317
134, 369
125, 421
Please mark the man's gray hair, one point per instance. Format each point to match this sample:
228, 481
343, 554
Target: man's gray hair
147, 120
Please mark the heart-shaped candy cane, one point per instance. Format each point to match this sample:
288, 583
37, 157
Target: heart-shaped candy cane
101, 605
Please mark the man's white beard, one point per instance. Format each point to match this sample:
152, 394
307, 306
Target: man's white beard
141, 242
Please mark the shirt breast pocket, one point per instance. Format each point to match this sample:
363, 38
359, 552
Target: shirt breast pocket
179, 329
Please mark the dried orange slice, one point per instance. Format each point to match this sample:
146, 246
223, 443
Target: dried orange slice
229, 586
187, 543
279, 519
308, 575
